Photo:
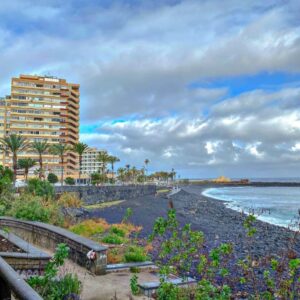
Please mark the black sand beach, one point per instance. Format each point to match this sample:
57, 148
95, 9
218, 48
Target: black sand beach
219, 223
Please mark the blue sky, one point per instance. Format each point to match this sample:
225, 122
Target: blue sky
209, 88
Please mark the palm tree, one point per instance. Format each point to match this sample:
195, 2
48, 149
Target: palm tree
40, 148
121, 174
26, 164
15, 144
80, 148
146, 164
60, 150
103, 157
113, 160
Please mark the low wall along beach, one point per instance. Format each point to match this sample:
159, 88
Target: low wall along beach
97, 194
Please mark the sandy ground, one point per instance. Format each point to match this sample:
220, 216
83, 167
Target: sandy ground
105, 287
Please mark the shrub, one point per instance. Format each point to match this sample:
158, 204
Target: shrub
112, 239
114, 256
222, 275
69, 200
89, 228
117, 231
70, 181
51, 286
40, 188
52, 178
33, 208
135, 254
134, 285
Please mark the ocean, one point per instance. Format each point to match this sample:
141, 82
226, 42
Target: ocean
275, 205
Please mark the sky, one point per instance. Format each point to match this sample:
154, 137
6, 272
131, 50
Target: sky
208, 88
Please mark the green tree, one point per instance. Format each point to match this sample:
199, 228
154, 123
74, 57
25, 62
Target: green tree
146, 162
95, 178
40, 147
52, 178
121, 174
14, 143
112, 160
26, 164
80, 148
103, 158
69, 181
60, 150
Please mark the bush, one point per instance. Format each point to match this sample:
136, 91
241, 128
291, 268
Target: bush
112, 239
70, 181
40, 188
117, 231
52, 287
89, 228
135, 254
52, 178
69, 200
33, 208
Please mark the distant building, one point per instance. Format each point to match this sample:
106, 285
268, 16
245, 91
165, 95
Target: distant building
42, 108
90, 164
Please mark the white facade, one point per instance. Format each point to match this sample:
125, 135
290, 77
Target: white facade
90, 164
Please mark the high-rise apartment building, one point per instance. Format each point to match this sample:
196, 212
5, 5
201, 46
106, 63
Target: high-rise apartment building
42, 108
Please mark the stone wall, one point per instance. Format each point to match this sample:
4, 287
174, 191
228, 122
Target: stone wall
48, 237
98, 194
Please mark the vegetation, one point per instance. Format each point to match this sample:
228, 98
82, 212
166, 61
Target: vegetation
69, 200
70, 181
52, 178
40, 147
220, 275
135, 254
60, 150
103, 205
26, 164
112, 239
134, 285
35, 208
40, 188
80, 148
103, 158
112, 160
14, 143
52, 285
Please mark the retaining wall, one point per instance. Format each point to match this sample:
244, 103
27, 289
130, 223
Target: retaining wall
48, 237
98, 194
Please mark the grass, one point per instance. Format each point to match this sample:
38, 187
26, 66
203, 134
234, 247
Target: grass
162, 191
104, 204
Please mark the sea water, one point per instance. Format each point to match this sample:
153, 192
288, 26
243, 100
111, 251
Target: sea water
275, 205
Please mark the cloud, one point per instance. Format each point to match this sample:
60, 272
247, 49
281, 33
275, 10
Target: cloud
138, 62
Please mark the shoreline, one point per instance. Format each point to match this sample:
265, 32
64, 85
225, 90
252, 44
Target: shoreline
218, 222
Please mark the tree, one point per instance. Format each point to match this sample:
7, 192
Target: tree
121, 174
70, 181
40, 147
103, 157
26, 164
14, 143
52, 178
147, 161
80, 148
112, 160
60, 150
